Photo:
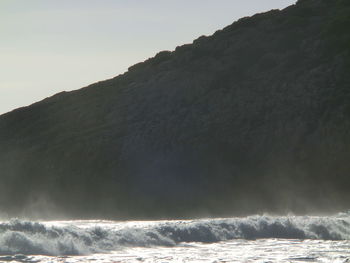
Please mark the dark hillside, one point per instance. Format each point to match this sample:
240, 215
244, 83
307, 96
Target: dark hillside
254, 118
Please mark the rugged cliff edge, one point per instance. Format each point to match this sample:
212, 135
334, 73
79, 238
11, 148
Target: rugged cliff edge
254, 118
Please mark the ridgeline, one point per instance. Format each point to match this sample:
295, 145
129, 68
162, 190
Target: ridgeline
255, 118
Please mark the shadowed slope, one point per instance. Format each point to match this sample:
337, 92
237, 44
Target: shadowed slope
253, 118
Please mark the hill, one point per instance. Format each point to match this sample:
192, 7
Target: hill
251, 119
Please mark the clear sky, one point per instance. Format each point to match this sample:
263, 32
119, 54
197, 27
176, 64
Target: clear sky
47, 46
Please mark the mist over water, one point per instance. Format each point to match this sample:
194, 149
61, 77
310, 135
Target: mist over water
251, 120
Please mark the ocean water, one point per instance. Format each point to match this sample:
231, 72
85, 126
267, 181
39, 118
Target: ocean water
259, 238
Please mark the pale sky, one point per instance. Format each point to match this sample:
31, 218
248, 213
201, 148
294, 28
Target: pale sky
48, 46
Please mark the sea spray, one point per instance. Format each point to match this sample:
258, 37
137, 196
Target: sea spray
88, 237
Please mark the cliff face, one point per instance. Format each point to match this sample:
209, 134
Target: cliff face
254, 118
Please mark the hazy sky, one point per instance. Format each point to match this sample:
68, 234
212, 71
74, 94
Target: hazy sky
47, 46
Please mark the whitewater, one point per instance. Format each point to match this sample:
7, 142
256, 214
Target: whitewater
259, 238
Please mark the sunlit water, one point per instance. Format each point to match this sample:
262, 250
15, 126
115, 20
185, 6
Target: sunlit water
251, 239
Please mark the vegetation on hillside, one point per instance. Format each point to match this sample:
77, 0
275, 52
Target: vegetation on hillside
254, 118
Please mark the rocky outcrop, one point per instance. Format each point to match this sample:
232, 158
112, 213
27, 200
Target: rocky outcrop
253, 118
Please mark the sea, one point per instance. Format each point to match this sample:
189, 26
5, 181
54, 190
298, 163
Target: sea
258, 238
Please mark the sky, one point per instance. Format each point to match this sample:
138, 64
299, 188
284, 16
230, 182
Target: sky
49, 46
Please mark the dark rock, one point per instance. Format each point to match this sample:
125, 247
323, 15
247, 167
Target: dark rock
254, 118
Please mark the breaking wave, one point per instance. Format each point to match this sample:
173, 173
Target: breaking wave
85, 237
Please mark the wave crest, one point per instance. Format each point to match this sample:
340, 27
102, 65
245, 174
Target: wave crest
29, 238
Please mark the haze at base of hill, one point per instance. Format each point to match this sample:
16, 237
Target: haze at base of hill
254, 118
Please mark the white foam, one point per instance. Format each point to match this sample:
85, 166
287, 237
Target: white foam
87, 237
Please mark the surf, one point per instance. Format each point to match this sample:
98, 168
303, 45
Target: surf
84, 237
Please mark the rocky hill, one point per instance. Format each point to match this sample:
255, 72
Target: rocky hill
254, 118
